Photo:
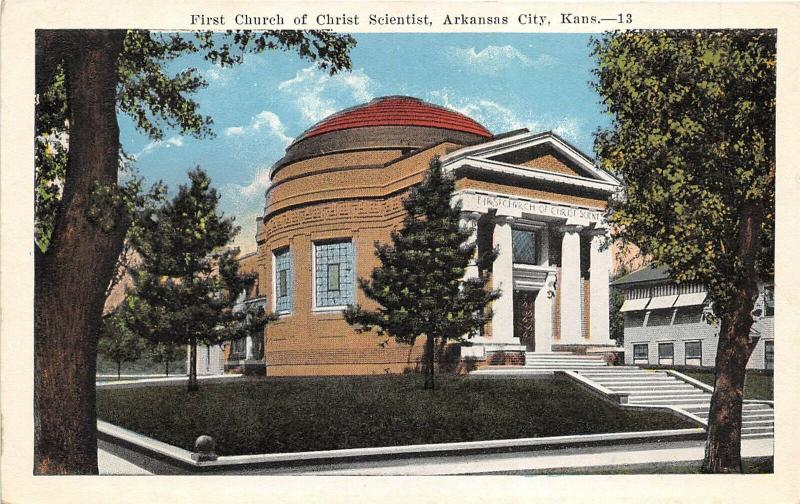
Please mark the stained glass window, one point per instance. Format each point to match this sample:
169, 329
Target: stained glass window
283, 281
334, 270
523, 243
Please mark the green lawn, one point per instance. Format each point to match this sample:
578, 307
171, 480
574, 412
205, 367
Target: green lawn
757, 385
275, 415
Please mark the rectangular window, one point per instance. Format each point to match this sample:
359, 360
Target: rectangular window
660, 318
523, 246
641, 354
769, 355
689, 315
283, 280
769, 301
334, 271
666, 354
694, 353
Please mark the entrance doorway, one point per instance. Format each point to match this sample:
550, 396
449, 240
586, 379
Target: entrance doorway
524, 322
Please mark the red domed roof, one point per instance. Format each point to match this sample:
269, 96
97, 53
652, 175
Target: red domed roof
396, 111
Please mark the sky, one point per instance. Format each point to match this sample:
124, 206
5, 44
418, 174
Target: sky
504, 81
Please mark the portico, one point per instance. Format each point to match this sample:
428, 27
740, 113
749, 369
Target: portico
553, 266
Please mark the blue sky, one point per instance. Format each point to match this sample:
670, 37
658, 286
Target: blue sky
504, 81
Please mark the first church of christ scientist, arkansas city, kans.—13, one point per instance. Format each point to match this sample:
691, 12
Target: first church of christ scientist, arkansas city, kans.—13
339, 188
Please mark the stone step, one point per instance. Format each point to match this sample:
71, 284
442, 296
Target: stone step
653, 397
635, 381
655, 387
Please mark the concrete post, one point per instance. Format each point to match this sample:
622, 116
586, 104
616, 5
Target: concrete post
248, 348
570, 285
503, 279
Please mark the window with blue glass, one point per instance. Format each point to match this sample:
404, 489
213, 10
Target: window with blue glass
334, 274
523, 245
283, 280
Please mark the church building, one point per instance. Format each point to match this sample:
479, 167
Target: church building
339, 188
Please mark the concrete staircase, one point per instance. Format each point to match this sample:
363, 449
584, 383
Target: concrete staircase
679, 392
633, 387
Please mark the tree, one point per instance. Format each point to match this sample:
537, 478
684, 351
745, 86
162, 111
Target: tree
81, 218
693, 138
188, 282
420, 284
118, 343
164, 353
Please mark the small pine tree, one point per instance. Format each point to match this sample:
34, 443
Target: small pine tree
420, 284
117, 342
164, 353
188, 282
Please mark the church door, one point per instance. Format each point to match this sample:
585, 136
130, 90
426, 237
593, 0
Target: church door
524, 302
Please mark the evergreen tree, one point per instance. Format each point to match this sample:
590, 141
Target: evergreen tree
420, 284
118, 343
188, 282
165, 353
693, 137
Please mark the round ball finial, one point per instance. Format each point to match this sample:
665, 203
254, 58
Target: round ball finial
204, 449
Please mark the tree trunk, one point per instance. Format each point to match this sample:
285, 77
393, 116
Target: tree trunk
429, 358
71, 277
723, 446
193, 365
167, 368
119, 370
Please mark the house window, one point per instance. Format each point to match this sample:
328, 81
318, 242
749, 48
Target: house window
283, 281
769, 355
769, 301
239, 349
334, 271
660, 318
666, 354
523, 246
689, 315
694, 353
640, 354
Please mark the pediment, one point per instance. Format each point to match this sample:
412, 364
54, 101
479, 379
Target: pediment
545, 153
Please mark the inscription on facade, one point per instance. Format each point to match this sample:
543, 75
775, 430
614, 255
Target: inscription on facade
537, 207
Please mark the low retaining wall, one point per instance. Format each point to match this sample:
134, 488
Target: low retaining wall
168, 459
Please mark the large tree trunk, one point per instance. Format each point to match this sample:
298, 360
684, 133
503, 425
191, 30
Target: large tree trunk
723, 447
71, 277
193, 365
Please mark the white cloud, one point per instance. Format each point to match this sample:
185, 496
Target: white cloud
175, 141
500, 118
496, 58
318, 94
263, 121
246, 203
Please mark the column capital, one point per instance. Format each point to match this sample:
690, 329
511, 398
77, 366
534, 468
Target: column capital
470, 215
598, 232
569, 228
504, 219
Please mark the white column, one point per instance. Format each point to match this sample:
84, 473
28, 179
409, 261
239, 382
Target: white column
570, 286
599, 266
503, 279
248, 348
543, 316
469, 220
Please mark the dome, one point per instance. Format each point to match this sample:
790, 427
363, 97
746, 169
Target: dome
390, 122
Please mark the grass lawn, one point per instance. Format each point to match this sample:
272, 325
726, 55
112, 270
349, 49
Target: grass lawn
757, 385
275, 415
